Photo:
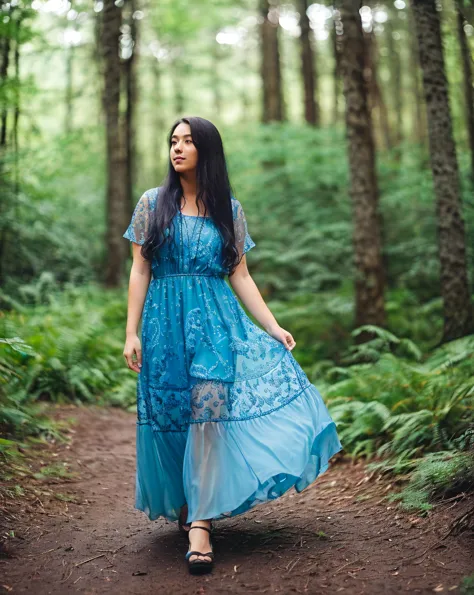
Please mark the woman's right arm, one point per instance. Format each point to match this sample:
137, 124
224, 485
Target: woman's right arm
140, 275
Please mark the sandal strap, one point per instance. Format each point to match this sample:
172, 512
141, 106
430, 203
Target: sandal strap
196, 553
198, 527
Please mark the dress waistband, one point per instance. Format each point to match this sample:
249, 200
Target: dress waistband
218, 275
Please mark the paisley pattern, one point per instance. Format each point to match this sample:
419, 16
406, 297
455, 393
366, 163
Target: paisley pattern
203, 358
227, 418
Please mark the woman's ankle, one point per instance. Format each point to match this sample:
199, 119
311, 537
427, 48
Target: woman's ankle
201, 523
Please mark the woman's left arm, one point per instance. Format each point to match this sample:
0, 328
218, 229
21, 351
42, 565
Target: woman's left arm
248, 292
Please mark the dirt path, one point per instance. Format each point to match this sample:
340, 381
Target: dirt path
339, 535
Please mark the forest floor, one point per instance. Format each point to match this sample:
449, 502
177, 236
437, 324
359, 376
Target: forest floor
81, 534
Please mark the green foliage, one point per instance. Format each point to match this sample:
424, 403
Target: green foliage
467, 585
437, 475
396, 407
67, 350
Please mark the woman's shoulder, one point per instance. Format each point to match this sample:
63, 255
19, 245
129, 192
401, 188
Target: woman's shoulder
149, 196
236, 206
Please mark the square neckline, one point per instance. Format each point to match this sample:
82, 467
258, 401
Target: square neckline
195, 216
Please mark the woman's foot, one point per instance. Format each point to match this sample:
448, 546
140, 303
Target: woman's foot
200, 541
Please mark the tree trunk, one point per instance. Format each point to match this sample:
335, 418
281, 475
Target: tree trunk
4, 77
131, 93
17, 107
395, 66
369, 273
68, 99
273, 109
336, 31
468, 89
375, 96
418, 113
158, 118
458, 312
117, 212
308, 73
177, 73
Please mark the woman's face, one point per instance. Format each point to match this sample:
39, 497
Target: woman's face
183, 153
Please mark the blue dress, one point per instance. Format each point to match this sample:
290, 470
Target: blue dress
227, 418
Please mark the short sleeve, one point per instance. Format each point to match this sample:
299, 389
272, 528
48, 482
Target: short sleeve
243, 241
139, 225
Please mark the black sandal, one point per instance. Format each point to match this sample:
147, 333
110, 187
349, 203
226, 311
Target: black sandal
198, 566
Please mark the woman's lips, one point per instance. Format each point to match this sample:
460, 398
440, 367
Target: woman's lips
179, 159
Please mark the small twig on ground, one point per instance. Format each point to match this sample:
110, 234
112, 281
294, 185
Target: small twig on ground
454, 526
113, 551
295, 562
347, 564
89, 560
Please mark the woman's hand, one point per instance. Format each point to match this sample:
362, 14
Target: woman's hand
133, 347
285, 337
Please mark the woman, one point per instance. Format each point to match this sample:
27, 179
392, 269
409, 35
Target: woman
227, 419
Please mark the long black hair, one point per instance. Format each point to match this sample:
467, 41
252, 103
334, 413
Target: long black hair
213, 192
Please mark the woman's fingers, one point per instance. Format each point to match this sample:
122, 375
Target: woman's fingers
134, 365
139, 357
290, 341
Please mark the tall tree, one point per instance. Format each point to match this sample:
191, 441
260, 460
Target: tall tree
5, 62
308, 68
419, 131
117, 211
369, 272
458, 311
468, 88
70, 57
376, 99
131, 94
395, 67
336, 33
17, 100
273, 106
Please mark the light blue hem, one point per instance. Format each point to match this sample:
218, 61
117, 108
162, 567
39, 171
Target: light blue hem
254, 461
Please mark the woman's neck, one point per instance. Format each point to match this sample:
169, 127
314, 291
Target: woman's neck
189, 186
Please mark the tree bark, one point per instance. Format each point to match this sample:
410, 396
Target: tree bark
308, 71
336, 32
273, 108
375, 96
177, 73
468, 88
131, 93
158, 118
418, 113
458, 311
16, 106
4, 78
369, 272
117, 212
395, 66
